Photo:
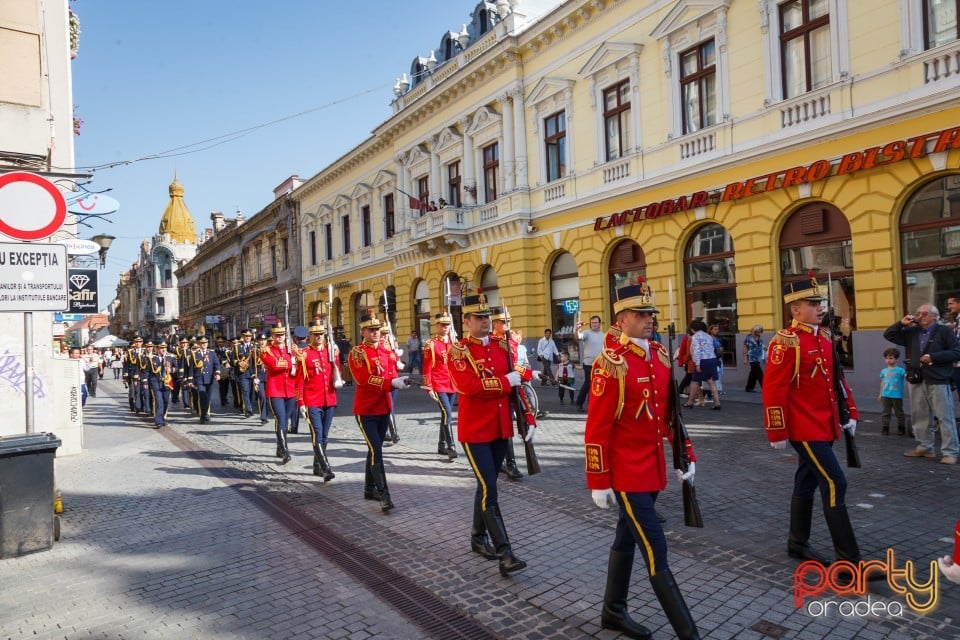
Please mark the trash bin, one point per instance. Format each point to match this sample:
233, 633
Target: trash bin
26, 493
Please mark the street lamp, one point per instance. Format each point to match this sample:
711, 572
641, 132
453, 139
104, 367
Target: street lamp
104, 241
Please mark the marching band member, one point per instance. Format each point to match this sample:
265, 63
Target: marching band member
318, 395
437, 383
483, 375
281, 387
244, 356
205, 370
374, 376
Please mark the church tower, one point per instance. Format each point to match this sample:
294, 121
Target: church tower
177, 220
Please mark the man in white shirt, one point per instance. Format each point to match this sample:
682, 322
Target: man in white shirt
413, 353
591, 344
547, 352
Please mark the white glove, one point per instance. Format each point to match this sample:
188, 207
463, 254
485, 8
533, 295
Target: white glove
399, 352
604, 498
950, 570
851, 426
538, 375
530, 430
433, 395
338, 384
400, 366
691, 471
514, 379
303, 413
779, 444
400, 383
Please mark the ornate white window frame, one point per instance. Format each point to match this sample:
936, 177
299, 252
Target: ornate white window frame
550, 96
770, 37
610, 64
689, 23
485, 129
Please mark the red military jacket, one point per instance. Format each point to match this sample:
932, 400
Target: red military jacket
436, 376
799, 400
479, 372
373, 373
627, 417
280, 381
316, 388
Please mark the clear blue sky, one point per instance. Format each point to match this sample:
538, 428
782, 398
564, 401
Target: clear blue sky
154, 76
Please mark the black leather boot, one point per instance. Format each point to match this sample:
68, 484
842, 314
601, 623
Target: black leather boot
614, 615
392, 434
498, 533
479, 542
451, 449
369, 488
316, 460
510, 463
668, 593
844, 540
328, 473
380, 479
282, 451
801, 514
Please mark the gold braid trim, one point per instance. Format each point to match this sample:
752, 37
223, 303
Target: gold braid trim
789, 340
459, 351
611, 364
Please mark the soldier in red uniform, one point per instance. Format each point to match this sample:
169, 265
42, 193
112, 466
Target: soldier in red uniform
626, 423
436, 381
281, 387
374, 377
483, 375
318, 395
800, 407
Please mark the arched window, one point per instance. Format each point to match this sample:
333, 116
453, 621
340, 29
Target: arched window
710, 284
421, 310
490, 286
362, 302
626, 263
930, 244
817, 237
565, 304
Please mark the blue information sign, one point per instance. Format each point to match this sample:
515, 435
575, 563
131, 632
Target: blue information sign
571, 306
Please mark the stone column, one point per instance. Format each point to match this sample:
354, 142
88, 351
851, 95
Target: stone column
520, 135
509, 144
435, 190
469, 175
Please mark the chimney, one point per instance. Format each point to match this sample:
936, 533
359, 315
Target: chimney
217, 218
287, 186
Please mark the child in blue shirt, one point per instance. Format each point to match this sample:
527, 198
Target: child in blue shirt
891, 392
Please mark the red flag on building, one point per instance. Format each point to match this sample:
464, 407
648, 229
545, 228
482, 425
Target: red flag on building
415, 204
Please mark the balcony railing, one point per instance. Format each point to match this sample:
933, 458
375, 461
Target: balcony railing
616, 170
805, 108
941, 63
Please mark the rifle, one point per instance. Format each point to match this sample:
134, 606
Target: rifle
449, 309
386, 321
331, 343
681, 459
522, 412
840, 389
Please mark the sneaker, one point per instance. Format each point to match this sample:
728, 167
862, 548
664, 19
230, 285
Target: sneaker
684, 395
948, 460
919, 453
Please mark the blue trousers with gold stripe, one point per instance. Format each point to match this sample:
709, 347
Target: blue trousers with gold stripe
374, 430
818, 467
485, 460
639, 527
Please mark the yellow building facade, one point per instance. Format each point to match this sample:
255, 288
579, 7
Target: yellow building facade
718, 148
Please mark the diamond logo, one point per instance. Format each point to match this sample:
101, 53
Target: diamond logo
79, 280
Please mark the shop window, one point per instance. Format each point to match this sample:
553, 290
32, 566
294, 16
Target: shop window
804, 46
710, 284
930, 244
817, 238
698, 86
423, 319
491, 287
626, 263
565, 305
940, 24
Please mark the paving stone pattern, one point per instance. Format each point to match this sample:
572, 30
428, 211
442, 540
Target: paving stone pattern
156, 544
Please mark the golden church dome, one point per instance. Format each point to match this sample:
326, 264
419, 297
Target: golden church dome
177, 220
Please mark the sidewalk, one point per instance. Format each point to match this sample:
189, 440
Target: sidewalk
196, 531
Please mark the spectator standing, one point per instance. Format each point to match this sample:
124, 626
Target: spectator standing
705, 365
932, 348
549, 354
954, 306
591, 344
566, 376
413, 352
84, 367
92, 374
753, 355
891, 392
684, 360
116, 364
714, 332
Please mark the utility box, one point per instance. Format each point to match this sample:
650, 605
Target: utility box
26, 493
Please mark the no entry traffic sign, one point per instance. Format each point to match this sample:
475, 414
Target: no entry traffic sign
31, 207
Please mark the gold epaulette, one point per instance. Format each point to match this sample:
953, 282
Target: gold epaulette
661, 352
458, 351
610, 363
786, 338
